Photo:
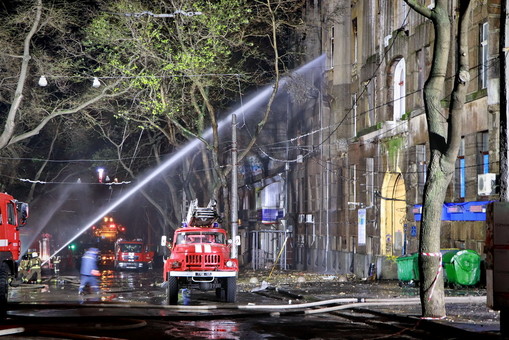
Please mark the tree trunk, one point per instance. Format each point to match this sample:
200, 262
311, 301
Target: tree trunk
432, 285
444, 133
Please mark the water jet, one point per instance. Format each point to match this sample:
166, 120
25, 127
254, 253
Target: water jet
245, 109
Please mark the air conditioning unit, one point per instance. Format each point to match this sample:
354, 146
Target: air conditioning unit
309, 218
486, 184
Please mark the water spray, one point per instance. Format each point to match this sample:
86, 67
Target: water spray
44, 220
248, 106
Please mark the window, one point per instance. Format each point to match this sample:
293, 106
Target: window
371, 102
420, 73
318, 189
399, 90
461, 171
355, 48
332, 47
483, 153
11, 215
353, 244
192, 238
302, 203
130, 247
354, 114
341, 186
370, 181
353, 182
483, 55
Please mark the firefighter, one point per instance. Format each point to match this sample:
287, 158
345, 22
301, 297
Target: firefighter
56, 261
23, 268
89, 271
34, 266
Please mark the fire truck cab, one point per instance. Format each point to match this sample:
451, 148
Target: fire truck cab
201, 256
133, 255
13, 215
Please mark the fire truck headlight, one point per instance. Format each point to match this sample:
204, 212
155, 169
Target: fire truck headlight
175, 264
230, 264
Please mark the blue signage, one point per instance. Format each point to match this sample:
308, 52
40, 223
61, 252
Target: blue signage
467, 211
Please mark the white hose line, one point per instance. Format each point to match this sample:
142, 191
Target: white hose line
358, 304
300, 305
351, 302
348, 301
395, 302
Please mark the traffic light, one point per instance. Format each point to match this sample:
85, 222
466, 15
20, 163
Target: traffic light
72, 247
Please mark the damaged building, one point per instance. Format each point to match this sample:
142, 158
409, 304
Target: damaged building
343, 192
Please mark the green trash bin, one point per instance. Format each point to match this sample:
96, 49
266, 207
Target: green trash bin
408, 268
462, 267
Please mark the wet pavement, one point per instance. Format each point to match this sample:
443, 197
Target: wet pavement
287, 305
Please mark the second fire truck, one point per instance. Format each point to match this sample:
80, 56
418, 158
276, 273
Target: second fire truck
133, 255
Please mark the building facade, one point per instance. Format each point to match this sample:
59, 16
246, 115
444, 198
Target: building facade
348, 198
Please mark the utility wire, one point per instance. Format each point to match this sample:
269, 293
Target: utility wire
491, 63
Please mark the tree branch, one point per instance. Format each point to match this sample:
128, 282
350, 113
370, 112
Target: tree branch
104, 94
461, 84
421, 9
10, 124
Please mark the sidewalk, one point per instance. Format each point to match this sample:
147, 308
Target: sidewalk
466, 307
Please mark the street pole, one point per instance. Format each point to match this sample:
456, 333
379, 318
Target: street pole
503, 171
234, 189
504, 78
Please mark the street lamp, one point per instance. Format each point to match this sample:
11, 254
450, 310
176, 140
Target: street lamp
43, 81
96, 83
100, 173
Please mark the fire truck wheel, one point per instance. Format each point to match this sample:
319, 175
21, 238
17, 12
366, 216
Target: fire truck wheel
172, 291
231, 289
4, 282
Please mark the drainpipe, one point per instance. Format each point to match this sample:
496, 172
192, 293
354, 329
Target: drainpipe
327, 192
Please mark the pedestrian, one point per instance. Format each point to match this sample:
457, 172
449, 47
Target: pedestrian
34, 267
89, 271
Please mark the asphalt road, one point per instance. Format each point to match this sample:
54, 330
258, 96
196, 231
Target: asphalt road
131, 305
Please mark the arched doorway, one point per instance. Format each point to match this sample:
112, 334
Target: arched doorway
392, 214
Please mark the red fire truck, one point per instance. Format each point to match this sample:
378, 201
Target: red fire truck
201, 256
133, 255
108, 230
13, 214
